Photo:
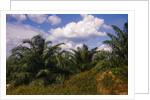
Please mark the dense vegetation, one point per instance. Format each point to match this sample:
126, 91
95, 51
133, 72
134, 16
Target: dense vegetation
37, 63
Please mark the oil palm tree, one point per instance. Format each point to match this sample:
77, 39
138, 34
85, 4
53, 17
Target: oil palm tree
82, 57
35, 59
119, 45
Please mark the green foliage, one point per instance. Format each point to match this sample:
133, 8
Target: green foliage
85, 83
37, 63
82, 57
80, 84
122, 73
34, 61
38, 83
118, 57
119, 44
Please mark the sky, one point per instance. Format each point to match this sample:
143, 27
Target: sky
72, 29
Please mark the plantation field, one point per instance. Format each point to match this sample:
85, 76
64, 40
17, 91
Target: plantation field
85, 83
38, 67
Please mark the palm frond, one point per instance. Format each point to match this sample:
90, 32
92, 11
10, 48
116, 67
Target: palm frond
119, 32
20, 49
43, 71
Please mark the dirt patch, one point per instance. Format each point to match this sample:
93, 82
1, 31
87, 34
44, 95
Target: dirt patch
7, 86
109, 84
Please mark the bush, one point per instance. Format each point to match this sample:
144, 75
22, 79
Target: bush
122, 73
37, 82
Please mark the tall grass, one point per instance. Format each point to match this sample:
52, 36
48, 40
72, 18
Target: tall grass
86, 83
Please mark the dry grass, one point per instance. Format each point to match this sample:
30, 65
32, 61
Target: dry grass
109, 84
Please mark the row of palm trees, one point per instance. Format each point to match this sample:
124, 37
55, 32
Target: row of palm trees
38, 59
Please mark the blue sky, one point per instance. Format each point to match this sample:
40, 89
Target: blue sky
72, 29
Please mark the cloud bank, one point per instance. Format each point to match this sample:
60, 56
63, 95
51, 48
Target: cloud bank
73, 34
41, 18
81, 31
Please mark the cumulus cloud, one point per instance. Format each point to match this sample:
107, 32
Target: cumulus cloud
106, 26
39, 18
67, 45
18, 17
16, 32
105, 48
54, 20
79, 45
81, 31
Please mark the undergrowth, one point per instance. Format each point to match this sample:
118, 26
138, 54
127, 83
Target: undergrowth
92, 82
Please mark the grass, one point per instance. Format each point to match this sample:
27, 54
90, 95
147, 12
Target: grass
81, 84
85, 83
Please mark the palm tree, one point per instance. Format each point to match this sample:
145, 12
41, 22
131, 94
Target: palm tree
34, 59
82, 57
119, 44
117, 59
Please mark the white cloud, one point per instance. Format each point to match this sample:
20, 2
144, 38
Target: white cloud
79, 45
52, 38
84, 30
19, 17
81, 31
54, 20
105, 48
67, 45
106, 26
39, 18
16, 32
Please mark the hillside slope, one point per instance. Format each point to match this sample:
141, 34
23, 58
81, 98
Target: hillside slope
86, 83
